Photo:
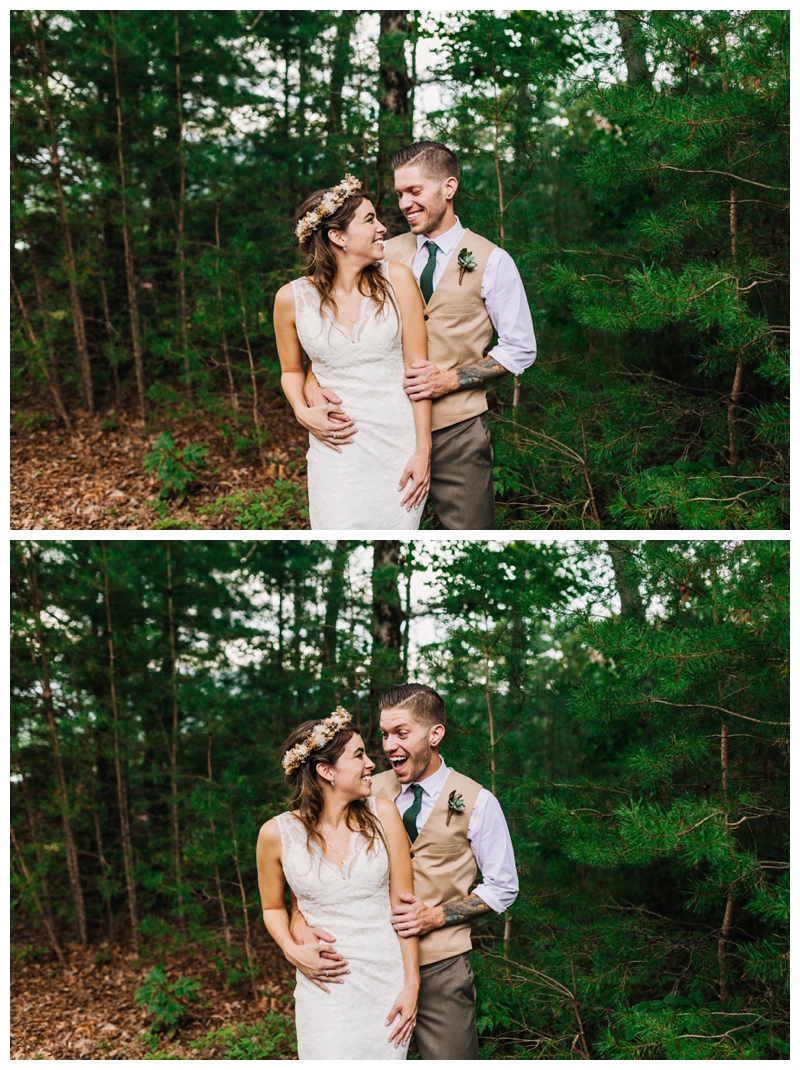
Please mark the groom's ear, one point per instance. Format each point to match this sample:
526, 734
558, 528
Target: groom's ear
435, 735
450, 186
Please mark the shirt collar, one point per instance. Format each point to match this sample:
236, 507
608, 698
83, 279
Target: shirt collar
447, 241
432, 784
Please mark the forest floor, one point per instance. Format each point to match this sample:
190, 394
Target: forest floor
87, 1009
95, 478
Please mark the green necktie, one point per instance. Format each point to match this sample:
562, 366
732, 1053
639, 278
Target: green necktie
426, 278
411, 814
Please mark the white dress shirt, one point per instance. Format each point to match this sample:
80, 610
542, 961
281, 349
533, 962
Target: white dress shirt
487, 834
501, 291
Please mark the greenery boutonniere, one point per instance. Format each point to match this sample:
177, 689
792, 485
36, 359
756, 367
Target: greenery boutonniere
455, 803
466, 262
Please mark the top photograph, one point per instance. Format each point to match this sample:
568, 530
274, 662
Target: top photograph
399, 270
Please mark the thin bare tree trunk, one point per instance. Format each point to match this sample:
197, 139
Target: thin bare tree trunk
220, 897
52, 383
130, 270
37, 902
78, 325
247, 946
231, 384
106, 870
253, 382
738, 375
73, 868
173, 757
122, 799
181, 205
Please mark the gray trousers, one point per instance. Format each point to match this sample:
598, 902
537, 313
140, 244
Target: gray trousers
446, 1027
462, 491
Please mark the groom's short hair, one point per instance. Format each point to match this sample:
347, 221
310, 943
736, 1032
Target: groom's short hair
432, 157
424, 704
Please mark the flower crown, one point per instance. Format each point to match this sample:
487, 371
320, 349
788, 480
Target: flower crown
319, 735
332, 201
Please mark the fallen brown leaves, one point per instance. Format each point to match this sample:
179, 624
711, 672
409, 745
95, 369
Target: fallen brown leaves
94, 478
87, 1011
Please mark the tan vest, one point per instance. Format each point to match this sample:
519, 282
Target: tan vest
458, 325
442, 861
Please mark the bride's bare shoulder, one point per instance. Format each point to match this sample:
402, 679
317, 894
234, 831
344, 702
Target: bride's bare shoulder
400, 274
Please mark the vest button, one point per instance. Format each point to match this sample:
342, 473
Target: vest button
412, 854
427, 317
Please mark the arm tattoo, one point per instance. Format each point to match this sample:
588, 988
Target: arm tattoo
464, 910
480, 373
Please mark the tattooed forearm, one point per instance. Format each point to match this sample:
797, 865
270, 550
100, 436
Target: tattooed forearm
464, 910
480, 373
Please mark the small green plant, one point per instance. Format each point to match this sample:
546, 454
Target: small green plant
166, 1001
272, 1038
102, 955
110, 422
174, 468
282, 505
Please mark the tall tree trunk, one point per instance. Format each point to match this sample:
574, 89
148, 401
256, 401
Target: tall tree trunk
334, 602
633, 50
733, 225
253, 380
394, 115
130, 270
122, 795
626, 575
218, 884
173, 754
340, 66
73, 868
51, 369
181, 207
78, 325
248, 949
226, 355
387, 620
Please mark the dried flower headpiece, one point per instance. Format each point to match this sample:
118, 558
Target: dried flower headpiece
332, 200
319, 735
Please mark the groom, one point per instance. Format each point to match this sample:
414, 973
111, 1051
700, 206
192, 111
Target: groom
456, 828
471, 288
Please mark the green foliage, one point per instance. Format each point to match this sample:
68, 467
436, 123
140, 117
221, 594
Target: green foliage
282, 505
272, 1038
174, 468
167, 1002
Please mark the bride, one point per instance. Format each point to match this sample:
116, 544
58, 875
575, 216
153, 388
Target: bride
360, 321
346, 858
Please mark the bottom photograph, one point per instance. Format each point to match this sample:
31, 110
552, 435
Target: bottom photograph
469, 799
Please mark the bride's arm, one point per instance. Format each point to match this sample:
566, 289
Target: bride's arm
415, 350
271, 884
315, 418
401, 882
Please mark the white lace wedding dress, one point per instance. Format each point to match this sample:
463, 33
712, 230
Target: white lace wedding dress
354, 906
357, 488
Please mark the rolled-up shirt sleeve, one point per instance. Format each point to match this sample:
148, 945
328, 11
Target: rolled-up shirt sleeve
507, 304
491, 845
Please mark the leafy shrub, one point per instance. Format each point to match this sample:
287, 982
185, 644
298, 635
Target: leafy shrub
281, 505
166, 1001
172, 467
272, 1038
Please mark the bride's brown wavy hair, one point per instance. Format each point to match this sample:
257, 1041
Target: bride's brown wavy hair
321, 264
307, 801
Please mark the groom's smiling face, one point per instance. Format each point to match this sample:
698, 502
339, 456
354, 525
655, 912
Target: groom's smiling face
426, 202
408, 745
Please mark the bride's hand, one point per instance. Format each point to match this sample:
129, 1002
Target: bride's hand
418, 470
406, 1006
310, 961
328, 423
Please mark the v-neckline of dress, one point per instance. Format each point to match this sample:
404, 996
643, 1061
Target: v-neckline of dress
351, 334
345, 861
